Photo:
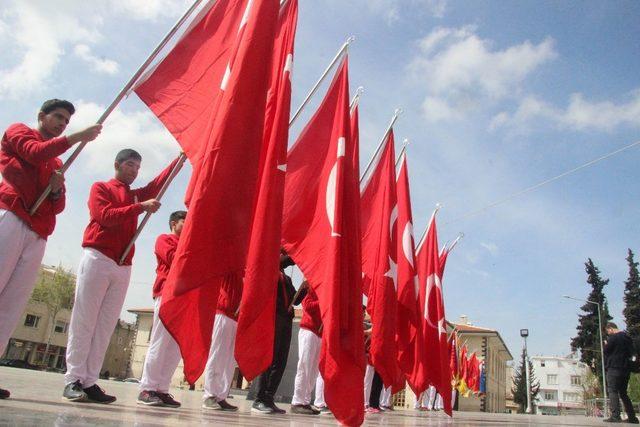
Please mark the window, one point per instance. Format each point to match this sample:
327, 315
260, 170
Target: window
576, 380
550, 395
552, 379
32, 321
571, 397
61, 327
542, 363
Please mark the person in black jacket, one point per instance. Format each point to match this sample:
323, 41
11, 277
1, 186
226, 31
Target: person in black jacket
618, 351
269, 380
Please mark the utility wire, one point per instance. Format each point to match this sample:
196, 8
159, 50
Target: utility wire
545, 182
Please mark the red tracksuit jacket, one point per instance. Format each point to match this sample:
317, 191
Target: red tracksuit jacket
311, 317
26, 163
166, 245
113, 214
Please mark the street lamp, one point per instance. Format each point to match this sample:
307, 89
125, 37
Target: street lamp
604, 383
524, 333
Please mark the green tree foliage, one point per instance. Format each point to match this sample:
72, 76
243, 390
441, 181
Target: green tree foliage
588, 340
519, 388
56, 291
634, 388
632, 298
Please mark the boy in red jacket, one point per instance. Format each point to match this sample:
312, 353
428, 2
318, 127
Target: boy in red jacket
102, 282
29, 163
163, 355
309, 341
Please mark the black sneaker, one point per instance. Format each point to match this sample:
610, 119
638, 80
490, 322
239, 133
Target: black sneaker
73, 392
304, 410
4, 394
226, 406
149, 398
633, 420
261, 408
276, 409
168, 400
97, 395
324, 410
612, 420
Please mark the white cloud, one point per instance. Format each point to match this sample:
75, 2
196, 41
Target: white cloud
491, 247
36, 33
150, 9
580, 114
139, 130
101, 65
462, 72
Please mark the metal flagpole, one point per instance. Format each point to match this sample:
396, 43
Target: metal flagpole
396, 114
438, 207
163, 189
342, 50
356, 99
120, 96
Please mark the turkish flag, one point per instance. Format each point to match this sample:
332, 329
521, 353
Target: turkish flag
434, 333
218, 119
378, 214
256, 320
407, 317
320, 232
473, 373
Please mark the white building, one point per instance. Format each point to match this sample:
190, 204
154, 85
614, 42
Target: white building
561, 385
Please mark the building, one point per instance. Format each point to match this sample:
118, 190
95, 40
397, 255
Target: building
490, 347
38, 327
561, 385
118, 357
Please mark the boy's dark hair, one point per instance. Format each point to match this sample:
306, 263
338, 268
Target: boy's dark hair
126, 154
52, 104
177, 216
611, 325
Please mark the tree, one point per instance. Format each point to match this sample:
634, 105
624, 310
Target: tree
56, 292
588, 339
632, 298
519, 389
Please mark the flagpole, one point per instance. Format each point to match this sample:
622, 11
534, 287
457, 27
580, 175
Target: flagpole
356, 99
455, 242
119, 97
176, 169
396, 114
315, 88
435, 211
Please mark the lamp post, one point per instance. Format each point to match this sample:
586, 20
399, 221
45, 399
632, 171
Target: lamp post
604, 380
524, 333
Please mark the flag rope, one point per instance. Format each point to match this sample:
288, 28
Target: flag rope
120, 97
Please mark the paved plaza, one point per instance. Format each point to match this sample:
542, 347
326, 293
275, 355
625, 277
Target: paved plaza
36, 401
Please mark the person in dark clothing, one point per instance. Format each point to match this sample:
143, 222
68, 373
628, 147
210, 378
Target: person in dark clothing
376, 391
618, 351
269, 380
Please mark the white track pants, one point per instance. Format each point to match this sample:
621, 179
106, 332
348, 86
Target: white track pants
385, 397
221, 363
21, 252
307, 373
319, 401
100, 292
162, 358
431, 396
368, 381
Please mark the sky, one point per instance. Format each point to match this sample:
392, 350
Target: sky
497, 96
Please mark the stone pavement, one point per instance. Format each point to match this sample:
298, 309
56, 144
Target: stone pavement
36, 401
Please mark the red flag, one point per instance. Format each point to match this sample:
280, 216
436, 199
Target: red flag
434, 333
256, 321
378, 212
473, 373
407, 318
453, 357
218, 120
320, 232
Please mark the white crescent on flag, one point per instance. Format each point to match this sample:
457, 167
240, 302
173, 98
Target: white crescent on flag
331, 187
